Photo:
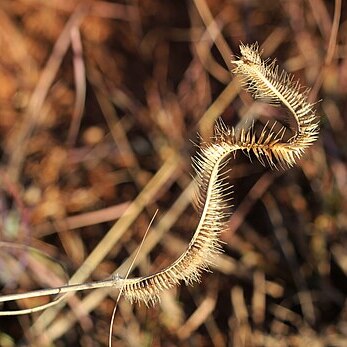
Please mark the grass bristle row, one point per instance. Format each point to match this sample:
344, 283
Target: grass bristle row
262, 80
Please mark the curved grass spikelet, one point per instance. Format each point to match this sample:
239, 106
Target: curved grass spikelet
262, 79
205, 242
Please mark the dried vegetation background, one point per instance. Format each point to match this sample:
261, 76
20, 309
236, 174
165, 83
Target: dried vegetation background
98, 104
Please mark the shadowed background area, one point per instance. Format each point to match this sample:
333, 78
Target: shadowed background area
99, 105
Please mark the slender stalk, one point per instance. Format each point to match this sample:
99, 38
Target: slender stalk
112, 282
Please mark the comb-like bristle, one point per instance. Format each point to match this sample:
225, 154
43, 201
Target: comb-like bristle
262, 79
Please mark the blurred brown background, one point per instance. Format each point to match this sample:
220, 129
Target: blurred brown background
99, 103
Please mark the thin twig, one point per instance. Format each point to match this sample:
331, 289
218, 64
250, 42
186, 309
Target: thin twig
80, 83
333, 35
114, 281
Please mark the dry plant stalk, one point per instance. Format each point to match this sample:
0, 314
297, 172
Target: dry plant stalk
263, 80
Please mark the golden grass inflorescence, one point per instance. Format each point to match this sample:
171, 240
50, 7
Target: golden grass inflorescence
263, 80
